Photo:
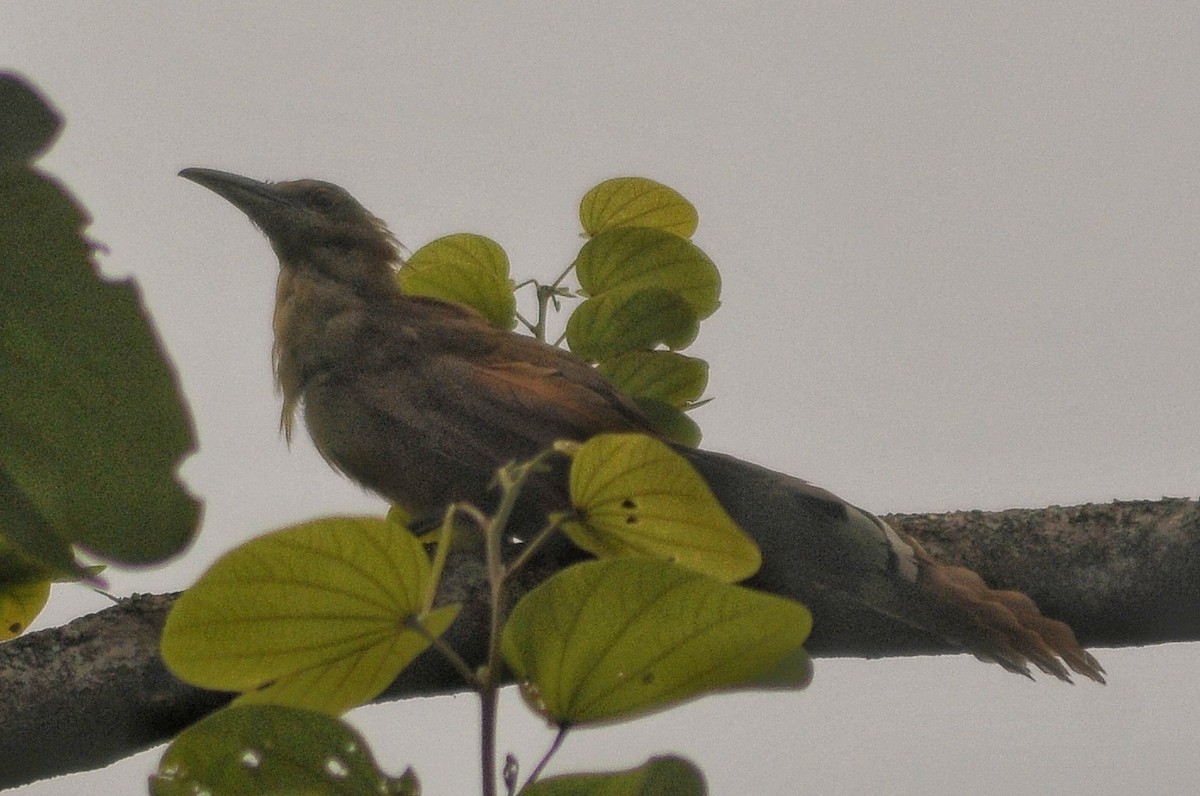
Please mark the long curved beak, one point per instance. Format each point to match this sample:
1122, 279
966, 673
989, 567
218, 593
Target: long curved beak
261, 201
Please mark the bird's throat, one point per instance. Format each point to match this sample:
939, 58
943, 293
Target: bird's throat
317, 324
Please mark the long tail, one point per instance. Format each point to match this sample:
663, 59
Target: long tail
871, 579
1004, 626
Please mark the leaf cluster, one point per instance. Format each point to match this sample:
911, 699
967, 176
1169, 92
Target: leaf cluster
309, 621
322, 616
645, 287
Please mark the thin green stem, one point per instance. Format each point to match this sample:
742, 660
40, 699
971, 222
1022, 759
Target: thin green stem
525, 322
454, 659
538, 329
528, 324
535, 544
565, 273
489, 687
511, 479
546, 294
445, 539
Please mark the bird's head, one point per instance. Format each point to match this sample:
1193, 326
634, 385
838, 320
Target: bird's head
309, 222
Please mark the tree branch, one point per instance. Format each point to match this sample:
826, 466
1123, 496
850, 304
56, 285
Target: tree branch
93, 691
1121, 574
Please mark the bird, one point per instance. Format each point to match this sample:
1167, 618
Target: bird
420, 400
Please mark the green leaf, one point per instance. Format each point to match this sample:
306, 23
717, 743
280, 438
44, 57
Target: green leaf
668, 775
464, 268
399, 515
794, 671
28, 125
672, 423
92, 422
636, 202
20, 603
22, 523
664, 376
271, 749
623, 320
313, 616
24, 589
636, 496
606, 640
634, 257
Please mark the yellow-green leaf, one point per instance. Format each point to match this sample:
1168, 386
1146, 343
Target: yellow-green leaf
468, 269
399, 515
665, 376
21, 600
312, 616
668, 775
794, 671
672, 423
636, 202
638, 497
606, 640
638, 257
246, 751
25, 582
623, 320
338, 685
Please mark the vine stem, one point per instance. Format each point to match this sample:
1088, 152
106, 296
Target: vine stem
487, 716
445, 539
486, 679
536, 543
546, 294
447, 651
511, 479
489, 688
559, 737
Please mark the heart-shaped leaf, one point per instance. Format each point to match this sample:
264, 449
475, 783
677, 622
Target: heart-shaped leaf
641, 258
605, 640
313, 616
659, 776
465, 268
672, 423
636, 202
665, 376
627, 319
636, 496
245, 751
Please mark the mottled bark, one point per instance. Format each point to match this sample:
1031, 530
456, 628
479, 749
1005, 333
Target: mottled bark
1125, 573
1122, 573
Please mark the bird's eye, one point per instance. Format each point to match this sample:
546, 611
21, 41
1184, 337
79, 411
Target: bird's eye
321, 199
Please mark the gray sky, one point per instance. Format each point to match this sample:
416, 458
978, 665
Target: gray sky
958, 245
